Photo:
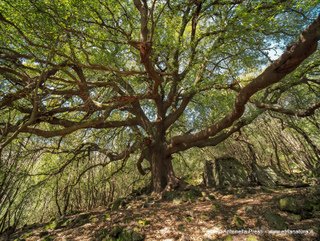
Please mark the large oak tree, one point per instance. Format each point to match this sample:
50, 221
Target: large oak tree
169, 73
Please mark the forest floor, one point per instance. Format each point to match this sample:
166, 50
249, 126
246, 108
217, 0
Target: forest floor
198, 214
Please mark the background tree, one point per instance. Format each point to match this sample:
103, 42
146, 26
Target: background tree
150, 78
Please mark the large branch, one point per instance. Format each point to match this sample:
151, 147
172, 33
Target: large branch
96, 124
172, 117
285, 64
220, 137
145, 49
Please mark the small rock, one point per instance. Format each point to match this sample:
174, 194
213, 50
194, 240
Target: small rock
238, 222
211, 197
120, 202
275, 221
176, 201
248, 208
295, 217
165, 230
115, 232
135, 236
94, 219
289, 204
181, 228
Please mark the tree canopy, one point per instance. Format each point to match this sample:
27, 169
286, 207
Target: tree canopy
146, 79
101, 97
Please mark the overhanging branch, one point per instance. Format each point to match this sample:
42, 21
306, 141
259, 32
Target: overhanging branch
285, 64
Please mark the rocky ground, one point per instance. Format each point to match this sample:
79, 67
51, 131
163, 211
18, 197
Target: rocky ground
196, 214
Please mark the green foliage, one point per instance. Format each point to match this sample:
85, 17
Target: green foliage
42, 178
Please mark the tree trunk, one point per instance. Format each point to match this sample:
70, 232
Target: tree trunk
162, 174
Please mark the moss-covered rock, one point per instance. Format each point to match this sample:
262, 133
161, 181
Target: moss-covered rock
78, 221
118, 203
119, 233
191, 195
182, 196
177, 201
170, 195
102, 234
64, 223
248, 209
289, 204
229, 172
94, 219
238, 222
275, 221
181, 228
211, 197
215, 209
295, 217
135, 236
267, 176
68, 222
306, 206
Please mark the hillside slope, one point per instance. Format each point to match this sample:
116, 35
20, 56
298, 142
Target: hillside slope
196, 214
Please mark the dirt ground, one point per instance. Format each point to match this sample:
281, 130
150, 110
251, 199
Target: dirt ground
240, 214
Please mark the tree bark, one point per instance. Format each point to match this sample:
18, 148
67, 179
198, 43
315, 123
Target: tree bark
162, 173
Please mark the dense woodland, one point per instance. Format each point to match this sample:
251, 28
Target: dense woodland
103, 98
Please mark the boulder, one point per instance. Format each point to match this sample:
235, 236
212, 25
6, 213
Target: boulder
225, 172
267, 176
305, 207
289, 204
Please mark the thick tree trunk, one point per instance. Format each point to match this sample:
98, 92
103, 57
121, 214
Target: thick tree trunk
162, 173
